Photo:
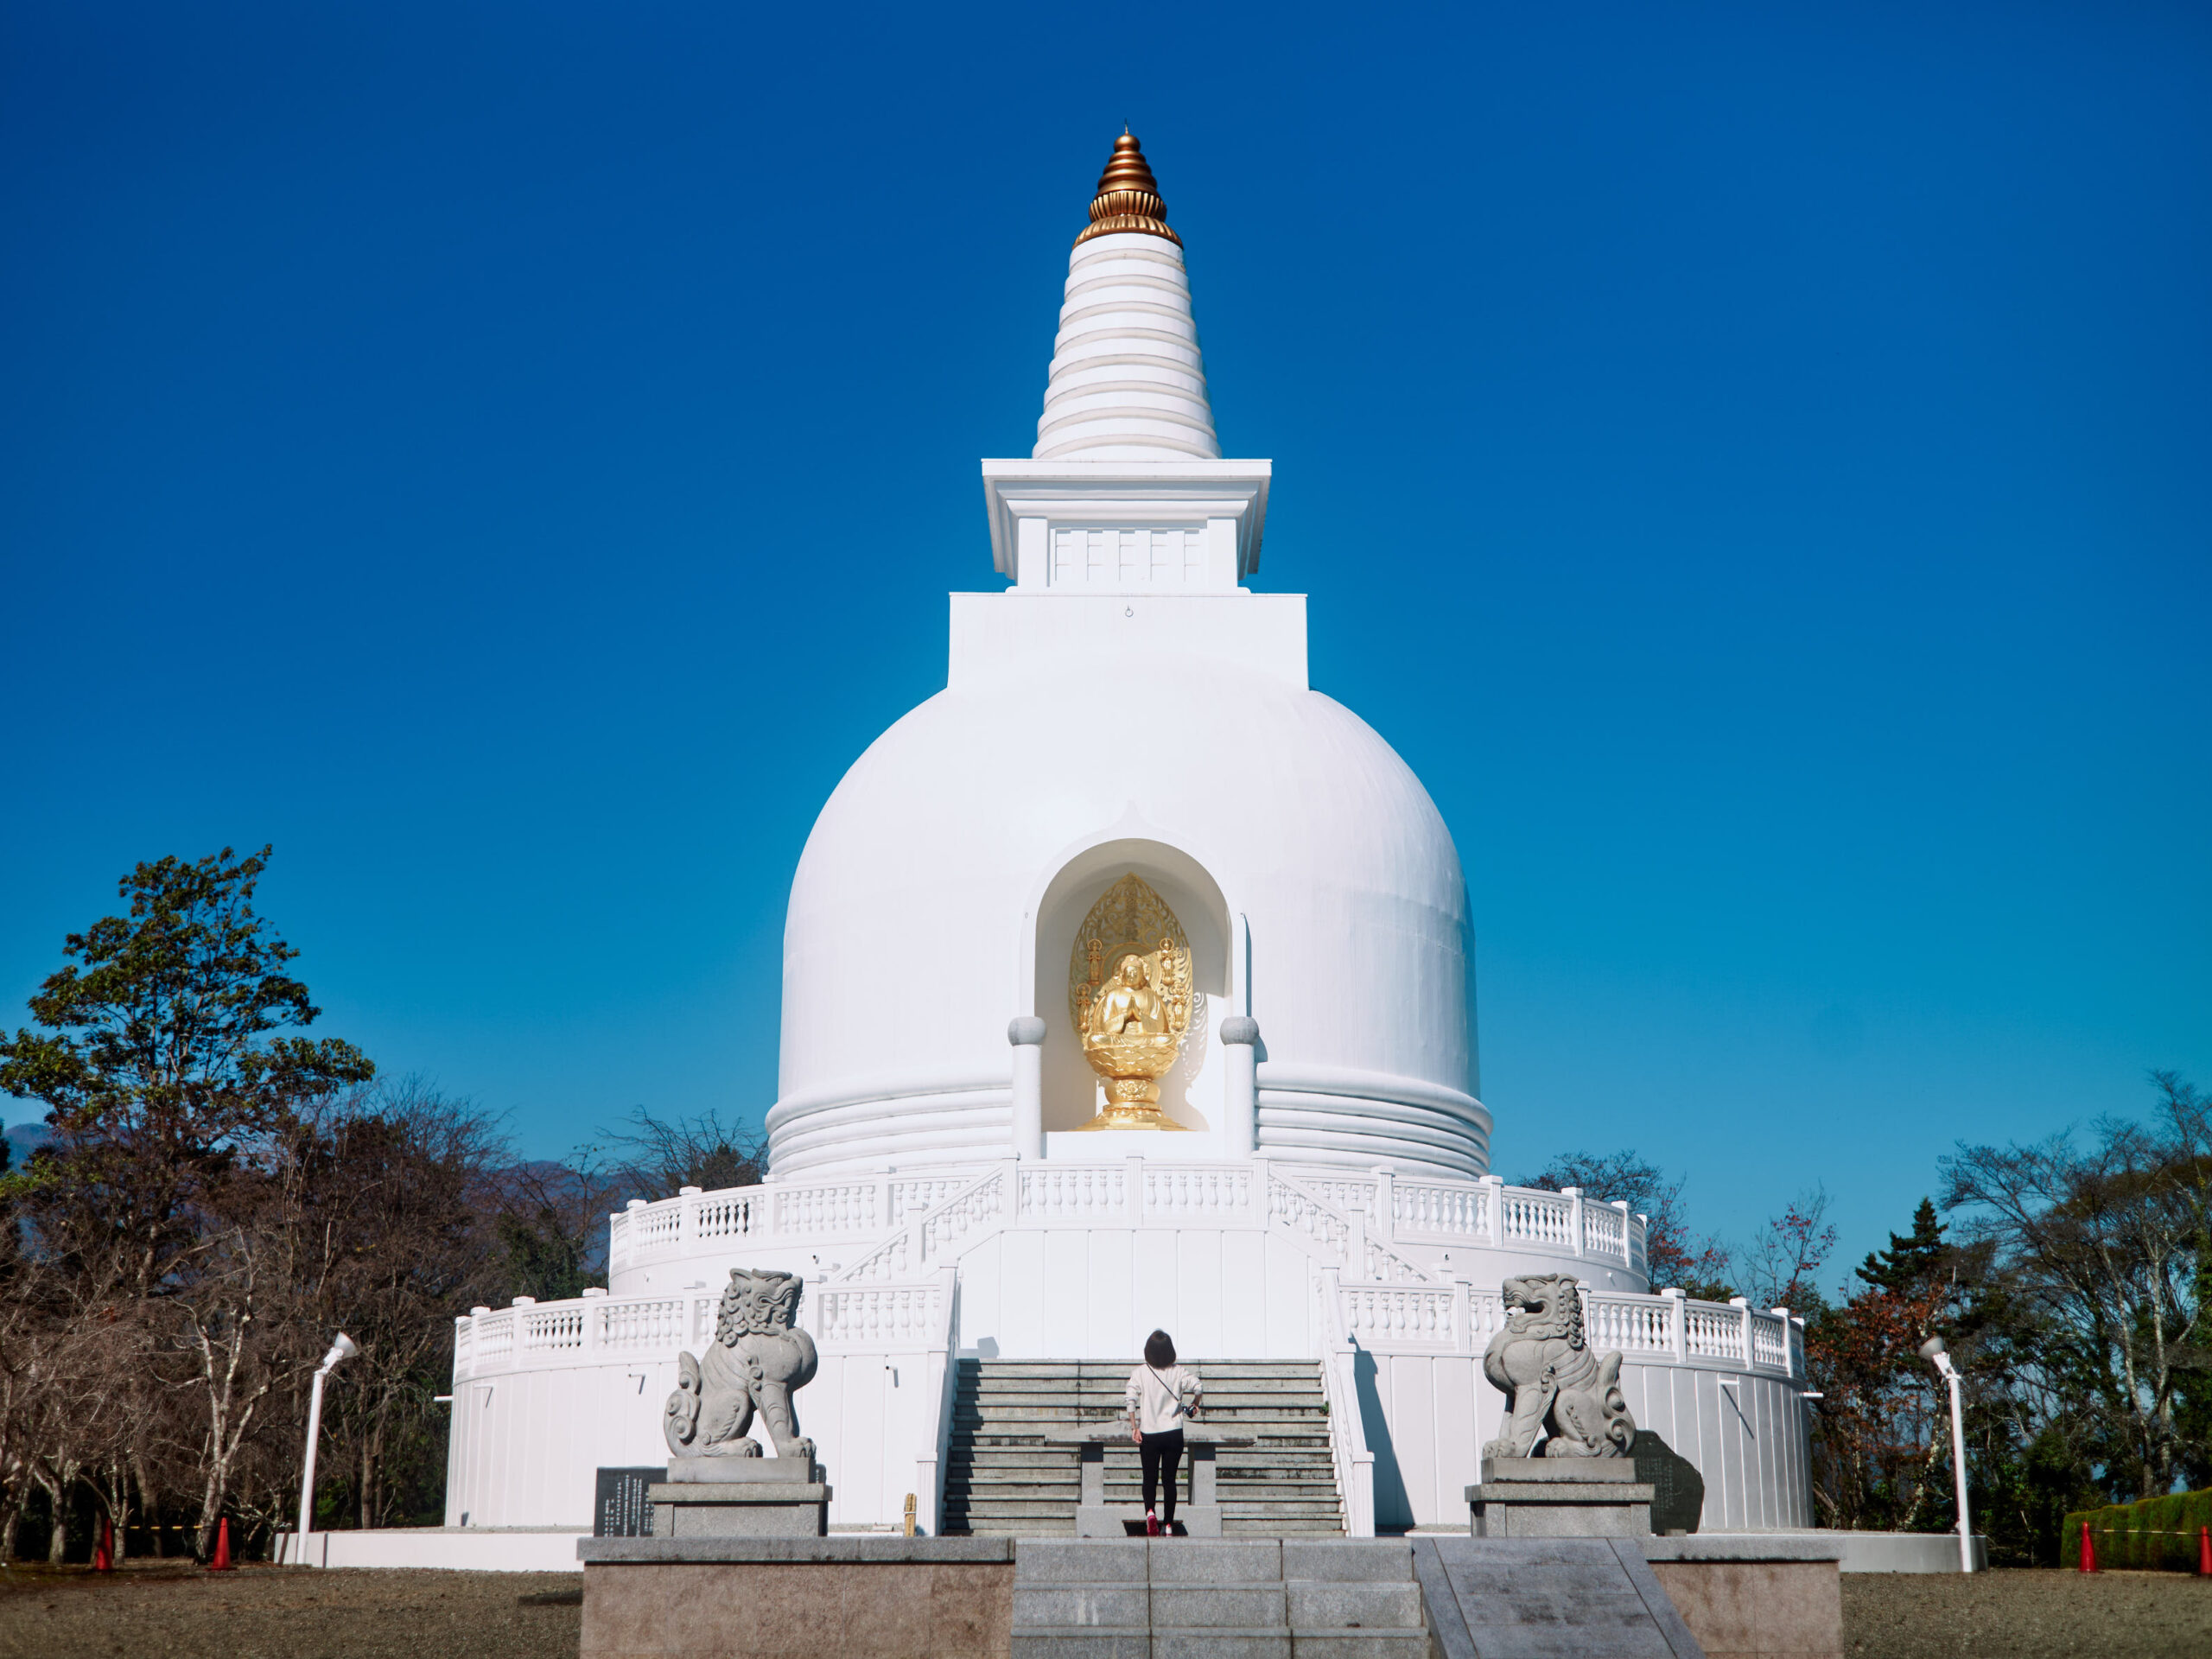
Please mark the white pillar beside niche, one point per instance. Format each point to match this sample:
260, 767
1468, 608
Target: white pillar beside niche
1025, 1033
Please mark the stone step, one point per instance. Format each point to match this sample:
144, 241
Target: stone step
1117, 1368
1228, 1599
1287, 1482
1247, 1419
1107, 1398
1325, 1605
1311, 1484
1252, 1462
1004, 1477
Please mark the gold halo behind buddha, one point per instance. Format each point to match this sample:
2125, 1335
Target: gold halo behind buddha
1130, 1000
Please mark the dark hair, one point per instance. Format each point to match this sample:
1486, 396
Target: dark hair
1158, 1349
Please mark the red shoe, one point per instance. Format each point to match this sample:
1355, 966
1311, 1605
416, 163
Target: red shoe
1151, 1524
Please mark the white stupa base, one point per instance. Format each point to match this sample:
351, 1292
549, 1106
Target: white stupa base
1389, 1282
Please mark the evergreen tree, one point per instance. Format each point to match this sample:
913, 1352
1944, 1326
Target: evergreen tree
1906, 1264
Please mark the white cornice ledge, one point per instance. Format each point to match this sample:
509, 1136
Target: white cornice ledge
1132, 491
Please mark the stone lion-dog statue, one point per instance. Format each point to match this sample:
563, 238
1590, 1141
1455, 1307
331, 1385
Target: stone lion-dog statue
1551, 1379
757, 1360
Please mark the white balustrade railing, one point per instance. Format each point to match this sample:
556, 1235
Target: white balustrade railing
495, 1337
1711, 1330
881, 1316
1338, 1191
1637, 1326
874, 1318
1528, 1216
1199, 1192
958, 1216
1605, 1231
1427, 1210
1405, 1316
1664, 1330
917, 1195
1770, 1344
725, 1217
1292, 1207
552, 1327
1084, 1192
902, 1224
833, 1210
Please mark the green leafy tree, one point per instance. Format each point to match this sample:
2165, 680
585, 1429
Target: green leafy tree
161, 1051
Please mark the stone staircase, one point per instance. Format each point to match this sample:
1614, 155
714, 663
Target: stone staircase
1004, 1478
1206, 1598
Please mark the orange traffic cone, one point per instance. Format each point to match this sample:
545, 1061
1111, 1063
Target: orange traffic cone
222, 1561
2204, 1552
104, 1551
2088, 1550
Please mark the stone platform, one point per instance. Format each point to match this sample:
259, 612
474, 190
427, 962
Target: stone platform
1559, 1497
867, 1597
1429, 1596
741, 1497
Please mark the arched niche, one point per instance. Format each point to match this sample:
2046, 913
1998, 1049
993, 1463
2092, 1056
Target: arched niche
1190, 1094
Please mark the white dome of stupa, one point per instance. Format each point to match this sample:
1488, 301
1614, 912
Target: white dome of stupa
1126, 708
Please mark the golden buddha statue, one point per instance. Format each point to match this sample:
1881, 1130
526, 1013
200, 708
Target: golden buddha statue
1127, 1006
1132, 1023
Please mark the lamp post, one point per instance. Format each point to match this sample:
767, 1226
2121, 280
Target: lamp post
344, 1348
1933, 1349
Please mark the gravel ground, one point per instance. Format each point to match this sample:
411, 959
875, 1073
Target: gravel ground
164, 1610
2020, 1613
175, 1611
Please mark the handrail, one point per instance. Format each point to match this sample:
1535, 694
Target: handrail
1340, 1226
940, 1384
1348, 1449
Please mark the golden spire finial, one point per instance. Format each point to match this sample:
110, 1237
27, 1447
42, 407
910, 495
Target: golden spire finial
1128, 197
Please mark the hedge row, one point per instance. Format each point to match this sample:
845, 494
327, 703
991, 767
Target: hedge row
2159, 1533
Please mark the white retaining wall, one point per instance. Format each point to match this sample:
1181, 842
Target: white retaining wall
1747, 1435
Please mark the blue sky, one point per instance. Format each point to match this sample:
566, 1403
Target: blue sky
1752, 462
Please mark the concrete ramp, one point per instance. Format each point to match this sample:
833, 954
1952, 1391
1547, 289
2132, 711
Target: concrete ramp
1547, 1598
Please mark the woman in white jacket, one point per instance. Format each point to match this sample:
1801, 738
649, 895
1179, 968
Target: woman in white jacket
1163, 1396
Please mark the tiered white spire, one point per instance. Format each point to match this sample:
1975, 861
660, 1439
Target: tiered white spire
1127, 383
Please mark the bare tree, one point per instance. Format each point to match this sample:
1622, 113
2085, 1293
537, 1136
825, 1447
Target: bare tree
1781, 1266
411, 1179
1676, 1254
2106, 1244
658, 1155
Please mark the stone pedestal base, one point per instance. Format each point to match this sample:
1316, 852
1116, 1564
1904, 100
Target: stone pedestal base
841, 1598
1096, 1518
741, 1497
1559, 1497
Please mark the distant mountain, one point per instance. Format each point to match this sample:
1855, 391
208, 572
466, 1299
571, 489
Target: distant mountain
21, 1137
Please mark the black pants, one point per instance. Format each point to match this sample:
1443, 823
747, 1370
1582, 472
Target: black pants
1161, 1454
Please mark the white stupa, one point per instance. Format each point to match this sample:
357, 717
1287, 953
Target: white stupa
1127, 763
1127, 706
